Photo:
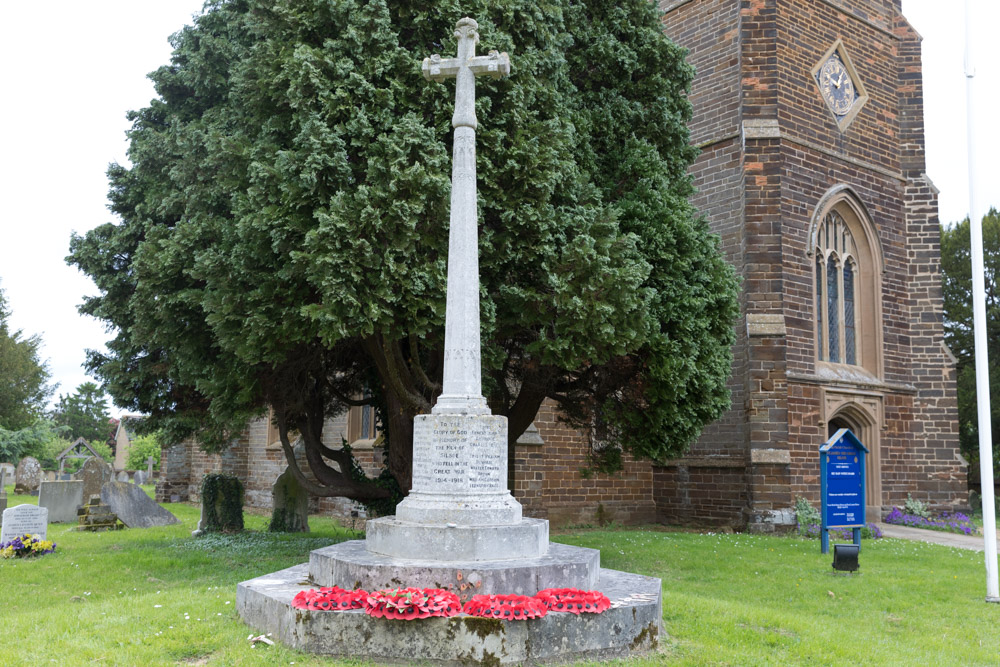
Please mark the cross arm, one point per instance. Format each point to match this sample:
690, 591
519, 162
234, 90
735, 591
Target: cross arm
495, 64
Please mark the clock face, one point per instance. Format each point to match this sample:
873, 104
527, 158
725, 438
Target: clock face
836, 85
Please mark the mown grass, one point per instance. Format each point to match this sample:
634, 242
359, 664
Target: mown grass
159, 597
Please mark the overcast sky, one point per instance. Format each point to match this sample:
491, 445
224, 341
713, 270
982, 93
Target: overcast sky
69, 76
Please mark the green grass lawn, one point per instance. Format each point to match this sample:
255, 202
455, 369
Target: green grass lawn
158, 597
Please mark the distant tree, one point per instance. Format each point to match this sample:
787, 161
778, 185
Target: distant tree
24, 377
85, 412
44, 439
283, 233
142, 448
956, 271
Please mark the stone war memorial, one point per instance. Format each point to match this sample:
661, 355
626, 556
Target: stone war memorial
459, 522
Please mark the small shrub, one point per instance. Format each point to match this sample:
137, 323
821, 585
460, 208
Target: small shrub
914, 507
809, 522
141, 449
221, 503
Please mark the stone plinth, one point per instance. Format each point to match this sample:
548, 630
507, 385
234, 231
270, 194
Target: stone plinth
350, 565
631, 627
529, 538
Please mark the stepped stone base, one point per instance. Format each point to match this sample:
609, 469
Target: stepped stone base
529, 538
630, 627
349, 565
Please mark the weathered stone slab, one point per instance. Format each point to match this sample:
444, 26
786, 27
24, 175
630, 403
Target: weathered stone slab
61, 499
28, 476
95, 474
123, 477
8, 471
290, 502
140, 477
350, 565
134, 507
529, 538
631, 627
24, 519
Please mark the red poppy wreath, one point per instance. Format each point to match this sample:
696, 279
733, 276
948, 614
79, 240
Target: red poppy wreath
573, 601
506, 607
330, 599
410, 603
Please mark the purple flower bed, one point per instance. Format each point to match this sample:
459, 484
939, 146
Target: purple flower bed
949, 522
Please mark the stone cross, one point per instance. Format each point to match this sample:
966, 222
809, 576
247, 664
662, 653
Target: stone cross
149, 466
462, 391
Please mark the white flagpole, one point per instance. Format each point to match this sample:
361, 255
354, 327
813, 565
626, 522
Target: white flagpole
979, 317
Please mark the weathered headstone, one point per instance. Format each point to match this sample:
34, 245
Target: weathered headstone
8, 470
123, 477
134, 507
140, 477
24, 520
48, 476
28, 476
95, 474
149, 466
61, 498
290, 512
3, 489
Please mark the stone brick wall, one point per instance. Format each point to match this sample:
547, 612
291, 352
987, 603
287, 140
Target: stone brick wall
549, 485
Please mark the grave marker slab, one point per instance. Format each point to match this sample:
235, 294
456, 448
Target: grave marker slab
134, 507
8, 470
123, 477
24, 519
95, 474
290, 503
28, 476
61, 498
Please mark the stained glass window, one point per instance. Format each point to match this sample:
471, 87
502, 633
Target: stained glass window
833, 308
850, 354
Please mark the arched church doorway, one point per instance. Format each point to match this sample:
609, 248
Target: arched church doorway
864, 428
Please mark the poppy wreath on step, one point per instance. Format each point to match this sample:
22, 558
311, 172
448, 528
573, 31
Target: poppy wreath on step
573, 601
505, 607
409, 603
330, 599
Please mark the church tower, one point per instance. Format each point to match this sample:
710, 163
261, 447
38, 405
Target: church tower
809, 117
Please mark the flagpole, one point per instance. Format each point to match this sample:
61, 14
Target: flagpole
979, 318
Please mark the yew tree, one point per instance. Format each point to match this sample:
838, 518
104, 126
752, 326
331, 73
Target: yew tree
283, 229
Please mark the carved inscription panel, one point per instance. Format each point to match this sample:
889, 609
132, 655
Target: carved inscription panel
459, 454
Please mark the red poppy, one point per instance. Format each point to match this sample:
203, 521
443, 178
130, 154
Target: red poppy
506, 607
573, 601
409, 603
330, 599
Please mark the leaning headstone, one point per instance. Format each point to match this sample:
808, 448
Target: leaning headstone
134, 507
95, 474
61, 498
123, 477
28, 476
24, 520
291, 505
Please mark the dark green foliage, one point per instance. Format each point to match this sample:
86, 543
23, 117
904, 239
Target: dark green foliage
283, 229
23, 375
222, 503
43, 440
956, 274
85, 413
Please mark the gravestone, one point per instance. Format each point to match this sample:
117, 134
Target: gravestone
8, 470
290, 504
28, 476
134, 507
48, 476
24, 520
123, 477
3, 489
95, 474
149, 466
140, 477
61, 498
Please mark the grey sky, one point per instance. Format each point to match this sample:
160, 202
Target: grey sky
69, 77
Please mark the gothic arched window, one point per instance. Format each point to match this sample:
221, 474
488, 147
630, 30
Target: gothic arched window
837, 260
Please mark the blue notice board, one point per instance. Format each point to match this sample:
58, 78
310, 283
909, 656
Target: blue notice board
842, 485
